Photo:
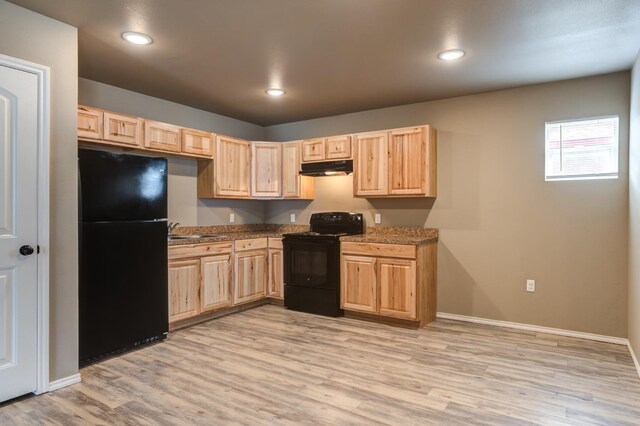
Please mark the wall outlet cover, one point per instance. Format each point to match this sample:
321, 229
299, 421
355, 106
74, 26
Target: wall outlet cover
293, 218
531, 285
232, 217
377, 218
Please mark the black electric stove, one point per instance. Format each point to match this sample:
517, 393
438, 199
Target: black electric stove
312, 263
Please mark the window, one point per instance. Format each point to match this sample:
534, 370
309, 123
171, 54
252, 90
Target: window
583, 149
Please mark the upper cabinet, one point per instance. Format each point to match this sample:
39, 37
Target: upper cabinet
266, 170
90, 123
232, 167
197, 143
122, 129
161, 136
325, 149
396, 163
294, 186
371, 163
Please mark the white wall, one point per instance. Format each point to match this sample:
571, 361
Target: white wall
36, 38
500, 222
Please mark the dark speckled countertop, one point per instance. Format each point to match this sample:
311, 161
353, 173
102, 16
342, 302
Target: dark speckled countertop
376, 234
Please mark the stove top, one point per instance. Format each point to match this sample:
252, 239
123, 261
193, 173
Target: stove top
332, 225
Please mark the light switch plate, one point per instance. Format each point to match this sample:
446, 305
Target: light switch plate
377, 218
531, 285
232, 217
293, 218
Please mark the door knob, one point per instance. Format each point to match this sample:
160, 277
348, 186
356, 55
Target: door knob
26, 250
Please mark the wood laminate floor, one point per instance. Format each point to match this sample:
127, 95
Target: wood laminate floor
270, 366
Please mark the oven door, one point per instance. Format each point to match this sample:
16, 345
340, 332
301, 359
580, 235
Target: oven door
312, 263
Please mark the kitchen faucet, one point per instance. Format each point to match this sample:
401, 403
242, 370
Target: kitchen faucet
171, 227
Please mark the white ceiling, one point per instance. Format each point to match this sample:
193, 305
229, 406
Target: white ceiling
339, 56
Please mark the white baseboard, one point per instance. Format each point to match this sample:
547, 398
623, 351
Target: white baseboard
535, 328
64, 382
633, 356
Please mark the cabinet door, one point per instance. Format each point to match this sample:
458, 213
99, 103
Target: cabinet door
358, 283
294, 185
266, 170
89, 123
338, 147
397, 288
313, 150
407, 161
276, 278
184, 278
232, 169
161, 136
370, 164
250, 273
197, 143
215, 286
122, 129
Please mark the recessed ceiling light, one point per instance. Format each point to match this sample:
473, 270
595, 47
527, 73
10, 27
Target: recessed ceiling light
275, 92
137, 38
451, 55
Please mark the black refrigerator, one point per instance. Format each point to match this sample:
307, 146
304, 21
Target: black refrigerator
123, 297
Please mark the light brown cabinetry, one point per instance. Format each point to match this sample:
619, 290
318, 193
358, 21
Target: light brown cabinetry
197, 143
389, 281
90, 122
250, 269
275, 285
122, 129
294, 186
215, 289
395, 163
232, 168
324, 149
371, 164
266, 170
199, 279
184, 279
161, 136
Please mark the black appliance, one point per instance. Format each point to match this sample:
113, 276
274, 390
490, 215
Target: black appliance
312, 263
327, 168
123, 297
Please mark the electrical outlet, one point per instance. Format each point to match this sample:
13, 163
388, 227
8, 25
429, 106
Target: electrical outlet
232, 217
377, 218
293, 218
531, 285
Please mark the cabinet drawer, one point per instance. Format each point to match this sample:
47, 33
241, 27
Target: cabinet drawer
161, 136
275, 243
338, 147
386, 250
313, 150
198, 250
123, 129
89, 123
255, 244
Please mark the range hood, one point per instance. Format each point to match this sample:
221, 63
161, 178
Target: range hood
327, 168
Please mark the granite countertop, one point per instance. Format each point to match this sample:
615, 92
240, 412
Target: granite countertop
377, 234
395, 235
233, 232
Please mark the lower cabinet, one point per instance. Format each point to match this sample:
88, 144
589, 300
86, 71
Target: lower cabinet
389, 281
250, 275
275, 285
184, 277
215, 288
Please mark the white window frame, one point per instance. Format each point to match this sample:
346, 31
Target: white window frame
585, 176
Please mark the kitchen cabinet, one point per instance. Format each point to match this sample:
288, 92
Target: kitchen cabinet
389, 281
395, 163
200, 279
232, 168
326, 149
275, 286
250, 269
196, 143
266, 170
184, 277
161, 136
215, 288
371, 164
89, 122
122, 129
294, 186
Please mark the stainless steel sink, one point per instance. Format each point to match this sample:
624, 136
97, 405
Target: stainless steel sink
191, 237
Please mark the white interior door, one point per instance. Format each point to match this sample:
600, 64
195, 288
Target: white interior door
18, 232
